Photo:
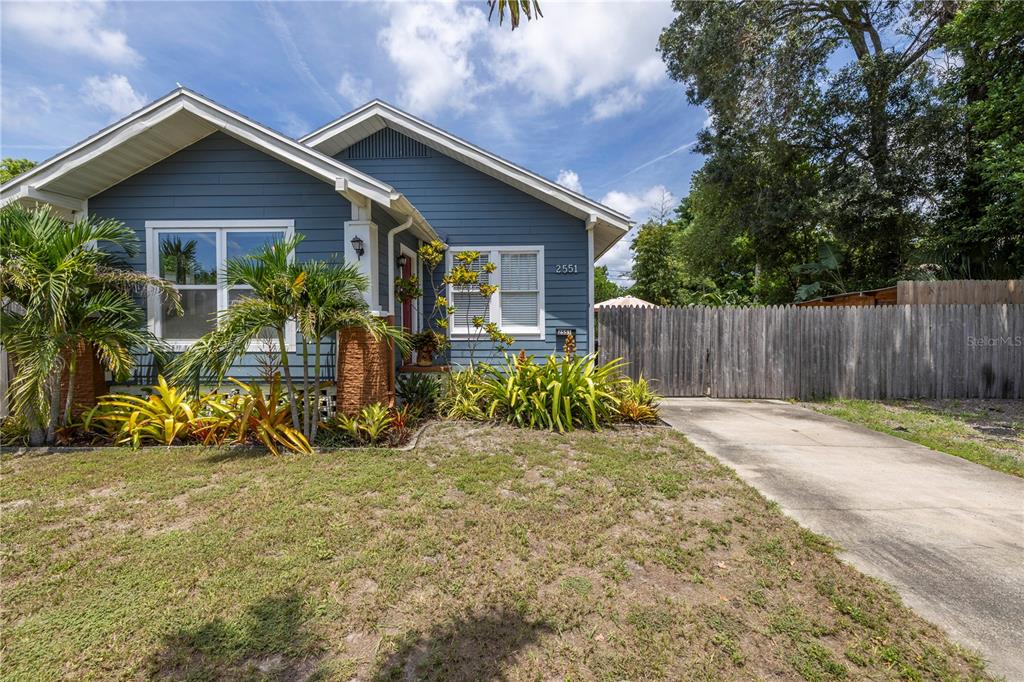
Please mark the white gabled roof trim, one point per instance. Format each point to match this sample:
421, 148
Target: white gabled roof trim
208, 117
374, 115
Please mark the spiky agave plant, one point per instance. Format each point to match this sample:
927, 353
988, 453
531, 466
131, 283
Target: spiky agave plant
59, 290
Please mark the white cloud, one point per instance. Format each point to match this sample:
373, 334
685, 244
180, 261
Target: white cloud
656, 202
113, 93
600, 52
430, 46
71, 26
354, 89
570, 179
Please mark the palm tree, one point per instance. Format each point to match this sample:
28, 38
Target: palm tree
59, 290
515, 7
320, 298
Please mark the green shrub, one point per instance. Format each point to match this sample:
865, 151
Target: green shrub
464, 396
560, 394
420, 391
373, 425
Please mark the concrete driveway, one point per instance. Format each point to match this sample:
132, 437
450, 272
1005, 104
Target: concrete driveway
948, 534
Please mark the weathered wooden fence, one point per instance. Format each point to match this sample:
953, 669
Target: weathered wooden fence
981, 291
918, 351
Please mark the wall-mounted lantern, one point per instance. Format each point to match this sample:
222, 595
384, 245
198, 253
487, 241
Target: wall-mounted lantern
402, 261
357, 246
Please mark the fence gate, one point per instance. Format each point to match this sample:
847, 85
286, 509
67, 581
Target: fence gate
904, 351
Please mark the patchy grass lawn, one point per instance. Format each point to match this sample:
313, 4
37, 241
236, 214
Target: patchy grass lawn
988, 432
488, 552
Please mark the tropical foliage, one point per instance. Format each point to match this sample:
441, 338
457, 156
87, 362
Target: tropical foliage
172, 415
61, 293
375, 424
317, 297
560, 393
421, 392
516, 9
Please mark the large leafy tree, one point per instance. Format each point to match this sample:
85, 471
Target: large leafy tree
835, 95
980, 232
604, 287
58, 291
11, 168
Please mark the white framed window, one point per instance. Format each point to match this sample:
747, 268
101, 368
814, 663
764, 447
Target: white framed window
517, 306
191, 255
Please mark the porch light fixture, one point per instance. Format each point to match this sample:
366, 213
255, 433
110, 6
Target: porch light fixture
402, 261
357, 246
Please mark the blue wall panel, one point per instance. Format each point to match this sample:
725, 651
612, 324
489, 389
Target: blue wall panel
470, 208
221, 178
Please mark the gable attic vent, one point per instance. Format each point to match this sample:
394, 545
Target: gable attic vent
387, 144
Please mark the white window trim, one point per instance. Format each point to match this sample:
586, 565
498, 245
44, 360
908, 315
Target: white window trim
221, 228
417, 303
518, 331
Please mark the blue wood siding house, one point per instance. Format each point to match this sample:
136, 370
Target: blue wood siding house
200, 182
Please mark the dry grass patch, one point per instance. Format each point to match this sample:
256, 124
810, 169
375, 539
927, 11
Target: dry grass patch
488, 552
987, 432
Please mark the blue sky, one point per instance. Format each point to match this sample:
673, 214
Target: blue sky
580, 96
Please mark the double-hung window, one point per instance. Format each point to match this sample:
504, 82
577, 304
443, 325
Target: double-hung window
191, 255
517, 306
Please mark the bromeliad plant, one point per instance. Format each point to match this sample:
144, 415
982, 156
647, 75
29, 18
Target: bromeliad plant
372, 425
58, 292
173, 415
166, 416
559, 394
320, 298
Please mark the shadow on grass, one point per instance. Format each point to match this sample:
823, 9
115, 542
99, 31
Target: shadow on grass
268, 641
472, 648
227, 453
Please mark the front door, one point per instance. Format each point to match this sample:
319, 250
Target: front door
407, 305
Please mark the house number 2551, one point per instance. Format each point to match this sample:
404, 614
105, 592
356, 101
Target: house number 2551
566, 269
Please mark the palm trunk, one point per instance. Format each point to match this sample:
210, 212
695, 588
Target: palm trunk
305, 386
288, 376
51, 426
69, 400
316, 398
36, 433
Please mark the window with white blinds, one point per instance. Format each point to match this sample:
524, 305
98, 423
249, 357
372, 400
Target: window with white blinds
519, 290
468, 302
518, 305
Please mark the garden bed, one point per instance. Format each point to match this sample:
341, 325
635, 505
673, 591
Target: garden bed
486, 551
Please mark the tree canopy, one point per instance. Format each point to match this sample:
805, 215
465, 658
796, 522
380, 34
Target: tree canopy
11, 168
886, 133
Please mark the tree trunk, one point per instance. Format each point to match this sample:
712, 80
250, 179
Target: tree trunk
51, 426
316, 397
305, 386
69, 401
288, 377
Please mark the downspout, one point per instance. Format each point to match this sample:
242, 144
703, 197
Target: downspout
391, 263
591, 341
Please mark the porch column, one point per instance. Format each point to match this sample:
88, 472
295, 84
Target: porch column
361, 226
